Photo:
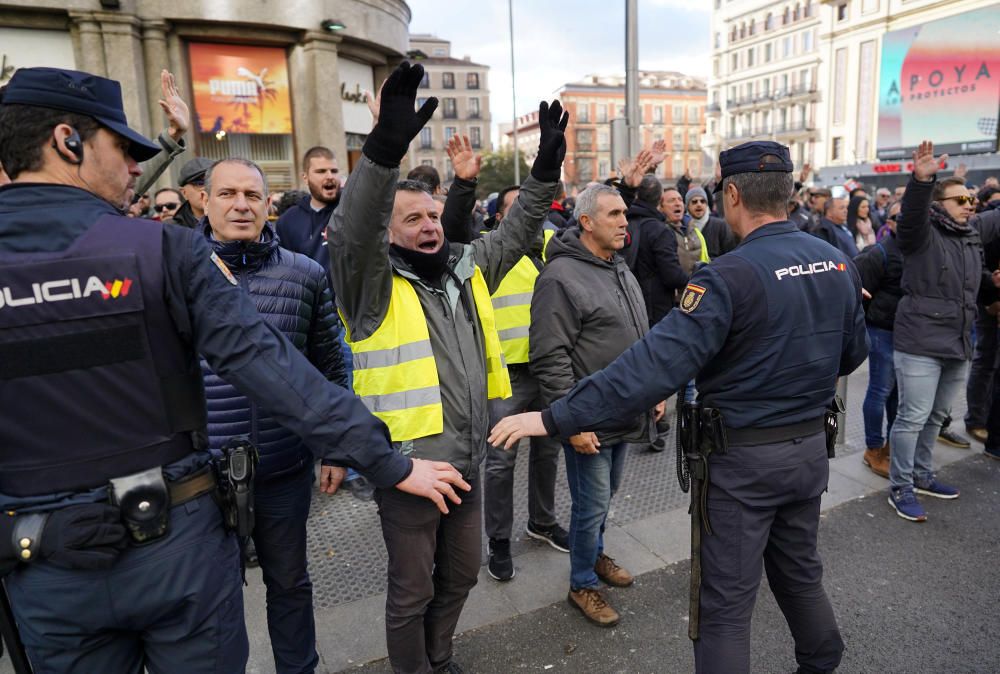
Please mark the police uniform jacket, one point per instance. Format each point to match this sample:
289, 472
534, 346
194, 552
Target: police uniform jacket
292, 293
213, 317
363, 269
767, 329
942, 275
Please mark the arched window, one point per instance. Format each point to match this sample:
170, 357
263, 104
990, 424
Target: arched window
753, 27
769, 22
796, 13
743, 30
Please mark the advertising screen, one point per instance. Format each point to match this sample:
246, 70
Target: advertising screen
940, 81
240, 89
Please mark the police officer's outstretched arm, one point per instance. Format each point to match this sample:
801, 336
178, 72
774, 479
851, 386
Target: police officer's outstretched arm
856, 344
498, 251
653, 368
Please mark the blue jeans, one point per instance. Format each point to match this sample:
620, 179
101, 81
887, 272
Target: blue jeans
280, 537
880, 399
927, 387
593, 480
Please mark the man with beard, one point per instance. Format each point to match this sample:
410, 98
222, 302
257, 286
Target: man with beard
718, 237
302, 229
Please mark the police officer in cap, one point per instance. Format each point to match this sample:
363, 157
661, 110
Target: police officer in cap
113, 544
766, 330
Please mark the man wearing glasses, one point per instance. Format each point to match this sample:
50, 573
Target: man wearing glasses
943, 281
165, 203
719, 239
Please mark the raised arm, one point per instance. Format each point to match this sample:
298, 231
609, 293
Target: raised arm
456, 218
913, 226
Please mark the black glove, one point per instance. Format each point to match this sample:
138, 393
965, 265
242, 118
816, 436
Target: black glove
87, 536
552, 145
398, 124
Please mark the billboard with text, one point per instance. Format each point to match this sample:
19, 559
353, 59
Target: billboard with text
940, 81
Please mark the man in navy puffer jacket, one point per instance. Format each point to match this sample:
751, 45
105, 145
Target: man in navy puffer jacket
292, 293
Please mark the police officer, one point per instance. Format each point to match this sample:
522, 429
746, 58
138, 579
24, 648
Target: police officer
767, 329
116, 554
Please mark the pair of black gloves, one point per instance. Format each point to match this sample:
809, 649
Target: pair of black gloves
398, 124
88, 536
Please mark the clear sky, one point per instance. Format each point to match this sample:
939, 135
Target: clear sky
560, 41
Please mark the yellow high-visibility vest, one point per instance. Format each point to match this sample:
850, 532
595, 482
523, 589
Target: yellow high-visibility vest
395, 373
704, 246
512, 304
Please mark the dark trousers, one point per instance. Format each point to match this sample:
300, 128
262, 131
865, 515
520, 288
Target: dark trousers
993, 418
543, 462
979, 388
764, 511
175, 605
280, 538
434, 562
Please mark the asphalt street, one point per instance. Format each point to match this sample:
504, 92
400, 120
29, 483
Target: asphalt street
909, 598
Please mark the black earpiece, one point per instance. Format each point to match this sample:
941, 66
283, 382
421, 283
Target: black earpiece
74, 145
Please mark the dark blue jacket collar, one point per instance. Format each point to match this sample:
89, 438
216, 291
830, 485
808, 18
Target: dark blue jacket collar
777, 227
244, 255
45, 218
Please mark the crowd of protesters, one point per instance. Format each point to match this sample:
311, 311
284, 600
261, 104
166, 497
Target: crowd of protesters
445, 314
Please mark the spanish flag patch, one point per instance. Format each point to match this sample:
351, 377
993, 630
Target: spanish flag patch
691, 298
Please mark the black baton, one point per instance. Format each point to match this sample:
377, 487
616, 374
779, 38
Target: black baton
11, 637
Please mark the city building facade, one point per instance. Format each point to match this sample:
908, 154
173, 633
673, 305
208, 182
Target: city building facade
671, 106
528, 135
264, 80
462, 90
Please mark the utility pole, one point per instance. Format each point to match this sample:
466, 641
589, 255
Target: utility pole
632, 74
513, 95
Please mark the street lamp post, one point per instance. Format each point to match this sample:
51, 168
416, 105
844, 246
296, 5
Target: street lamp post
632, 74
513, 95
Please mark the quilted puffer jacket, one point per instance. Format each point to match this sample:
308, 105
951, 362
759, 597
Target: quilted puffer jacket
292, 293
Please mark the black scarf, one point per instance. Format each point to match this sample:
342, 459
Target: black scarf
428, 266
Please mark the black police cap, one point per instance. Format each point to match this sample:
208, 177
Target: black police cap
80, 93
754, 157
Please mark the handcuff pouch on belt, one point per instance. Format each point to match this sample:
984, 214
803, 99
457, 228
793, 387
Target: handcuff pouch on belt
144, 500
831, 424
236, 469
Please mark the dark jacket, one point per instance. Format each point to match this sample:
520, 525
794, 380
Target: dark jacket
656, 267
184, 217
836, 235
718, 236
585, 312
802, 217
942, 272
292, 294
558, 216
457, 219
301, 229
881, 270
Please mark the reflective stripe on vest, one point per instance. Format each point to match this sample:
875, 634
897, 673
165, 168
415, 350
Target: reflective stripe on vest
512, 304
395, 373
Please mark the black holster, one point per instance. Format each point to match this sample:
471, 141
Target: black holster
831, 424
236, 470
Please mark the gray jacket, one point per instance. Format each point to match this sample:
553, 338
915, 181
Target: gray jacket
585, 312
942, 273
362, 268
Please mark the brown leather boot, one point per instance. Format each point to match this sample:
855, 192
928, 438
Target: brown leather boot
878, 460
593, 606
611, 573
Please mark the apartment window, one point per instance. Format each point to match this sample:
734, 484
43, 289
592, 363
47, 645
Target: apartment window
584, 169
784, 83
866, 99
678, 166
786, 17
786, 46
602, 113
842, 13
603, 140
583, 112
472, 81
732, 94
448, 80
768, 52
440, 51
807, 42
603, 169
765, 88
837, 150
449, 131
753, 27
420, 102
450, 109
678, 114
692, 140
715, 67
426, 139
805, 81
869, 6
678, 140
734, 62
693, 114
718, 40
425, 83
584, 140
750, 59
473, 108
769, 22
427, 162
476, 137
657, 114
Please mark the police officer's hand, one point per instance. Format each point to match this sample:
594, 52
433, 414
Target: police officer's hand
330, 478
398, 124
87, 536
509, 430
434, 480
552, 123
925, 166
585, 443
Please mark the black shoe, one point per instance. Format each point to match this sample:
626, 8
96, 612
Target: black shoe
555, 535
451, 668
500, 566
360, 489
950, 437
659, 444
250, 555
